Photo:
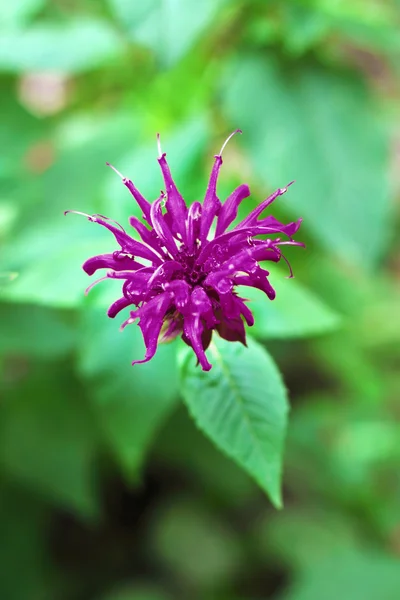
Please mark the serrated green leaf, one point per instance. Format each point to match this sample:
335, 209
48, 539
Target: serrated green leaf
309, 125
131, 402
296, 312
70, 47
241, 404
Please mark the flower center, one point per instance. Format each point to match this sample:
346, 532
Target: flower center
193, 274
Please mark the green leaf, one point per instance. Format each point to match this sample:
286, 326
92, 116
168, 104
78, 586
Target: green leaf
71, 47
131, 402
47, 441
166, 26
241, 404
296, 312
308, 124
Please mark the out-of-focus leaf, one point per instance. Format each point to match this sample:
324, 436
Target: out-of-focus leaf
347, 443
373, 25
22, 545
18, 132
35, 331
350, 363
302, 27
194, 545
380, 320
347, 289
356, 575
47, 441
6, 278
50, 272
168, 27
18, 12
184, 148
55, 277
303, 537
137, 592
49, 248
295, 312
68, 47
8, 214
310, 125
241, 405
131, 402
84, 143
356, 438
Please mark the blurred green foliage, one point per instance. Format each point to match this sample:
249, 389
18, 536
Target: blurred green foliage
107, 489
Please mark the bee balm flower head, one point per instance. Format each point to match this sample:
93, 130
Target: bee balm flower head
181, 277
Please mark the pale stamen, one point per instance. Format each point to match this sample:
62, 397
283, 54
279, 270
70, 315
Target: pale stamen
115, 171
91, 286
111, 221
283, 190
289, 243
289, 265
227, 140
159, 146
127, 322
78, 212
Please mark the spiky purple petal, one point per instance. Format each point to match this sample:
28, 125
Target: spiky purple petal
179, 280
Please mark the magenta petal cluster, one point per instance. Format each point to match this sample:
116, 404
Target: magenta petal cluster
181, 277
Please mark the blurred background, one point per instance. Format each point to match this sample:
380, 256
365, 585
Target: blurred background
107, 490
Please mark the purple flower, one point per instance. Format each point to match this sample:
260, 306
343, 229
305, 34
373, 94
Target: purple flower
181, 276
